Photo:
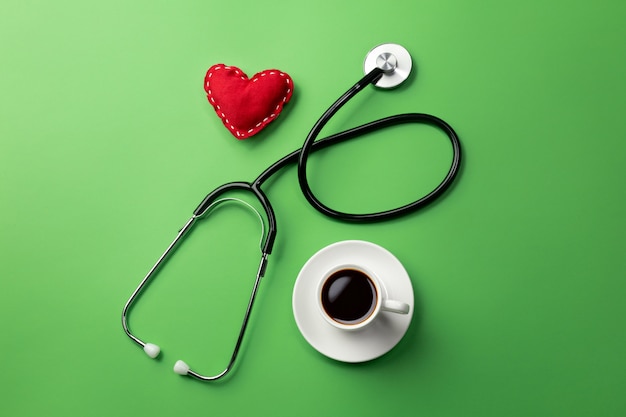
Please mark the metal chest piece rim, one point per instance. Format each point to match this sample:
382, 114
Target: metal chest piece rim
393, 59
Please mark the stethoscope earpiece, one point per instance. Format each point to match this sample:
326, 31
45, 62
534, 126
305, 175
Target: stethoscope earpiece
151, 350
181, 368
394, 60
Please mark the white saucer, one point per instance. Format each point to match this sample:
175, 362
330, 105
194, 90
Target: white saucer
361, 345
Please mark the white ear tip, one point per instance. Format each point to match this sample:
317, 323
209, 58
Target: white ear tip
152, 350
181, 368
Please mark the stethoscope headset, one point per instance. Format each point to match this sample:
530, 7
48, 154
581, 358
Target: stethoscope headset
386, 66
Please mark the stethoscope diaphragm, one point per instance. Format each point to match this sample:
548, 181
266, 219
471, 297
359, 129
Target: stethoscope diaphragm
393, 59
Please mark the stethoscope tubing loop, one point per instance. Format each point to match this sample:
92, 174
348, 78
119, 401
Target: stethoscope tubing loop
375, 125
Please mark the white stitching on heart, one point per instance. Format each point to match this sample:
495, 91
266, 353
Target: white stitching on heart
255, 78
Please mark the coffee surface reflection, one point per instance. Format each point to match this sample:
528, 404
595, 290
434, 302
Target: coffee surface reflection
349, 296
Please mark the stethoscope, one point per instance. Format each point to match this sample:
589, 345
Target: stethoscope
386, 66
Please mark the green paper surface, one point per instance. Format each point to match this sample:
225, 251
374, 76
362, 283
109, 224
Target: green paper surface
107, 144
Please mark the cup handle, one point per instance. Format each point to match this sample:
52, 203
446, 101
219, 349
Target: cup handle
394, 306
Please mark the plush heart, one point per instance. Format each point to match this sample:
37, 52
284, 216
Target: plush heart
246, 105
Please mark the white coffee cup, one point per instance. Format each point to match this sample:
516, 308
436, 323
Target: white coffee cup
351, 297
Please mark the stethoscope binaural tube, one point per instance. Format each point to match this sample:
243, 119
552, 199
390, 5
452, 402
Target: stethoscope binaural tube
255, 189
266, 245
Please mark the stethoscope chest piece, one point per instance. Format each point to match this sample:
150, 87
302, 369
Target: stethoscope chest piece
394, 60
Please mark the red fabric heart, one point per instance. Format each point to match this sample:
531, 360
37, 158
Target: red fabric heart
246, 105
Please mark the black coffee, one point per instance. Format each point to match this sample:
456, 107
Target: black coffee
349, 296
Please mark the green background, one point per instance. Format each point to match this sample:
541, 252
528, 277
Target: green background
107, 143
